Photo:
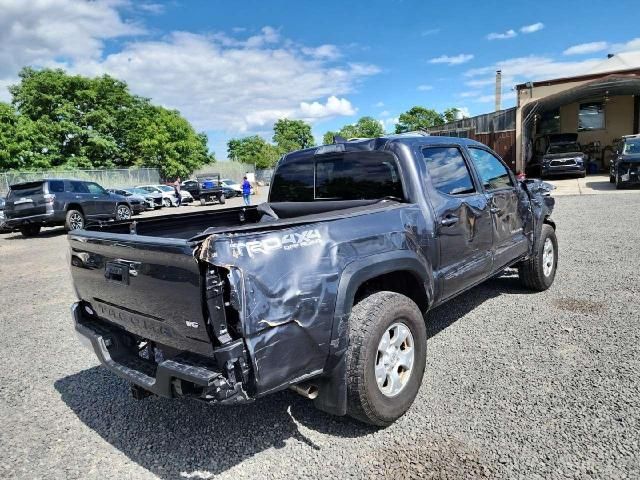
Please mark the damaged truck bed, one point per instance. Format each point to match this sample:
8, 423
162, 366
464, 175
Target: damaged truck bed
320, 289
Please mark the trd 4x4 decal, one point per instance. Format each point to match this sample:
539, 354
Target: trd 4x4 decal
289, 241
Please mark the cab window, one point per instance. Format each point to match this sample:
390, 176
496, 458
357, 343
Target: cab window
448, 170
493, 173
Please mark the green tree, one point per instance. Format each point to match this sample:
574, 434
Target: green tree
71, 121
418, 118
365, 127
327, 138
290, 135
253, 150
368, 127
451, 114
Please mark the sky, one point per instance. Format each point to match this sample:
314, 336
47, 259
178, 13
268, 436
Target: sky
232, 68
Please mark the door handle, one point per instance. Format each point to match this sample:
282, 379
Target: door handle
496, 210
449, 220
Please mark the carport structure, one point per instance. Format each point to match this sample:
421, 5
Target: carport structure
600, 110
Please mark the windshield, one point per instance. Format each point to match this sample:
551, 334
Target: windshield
165, 188
564, 148
227, 181
631, 147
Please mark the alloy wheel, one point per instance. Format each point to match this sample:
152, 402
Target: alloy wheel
394, 359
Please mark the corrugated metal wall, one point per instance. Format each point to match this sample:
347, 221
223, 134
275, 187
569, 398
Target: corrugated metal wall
497, 130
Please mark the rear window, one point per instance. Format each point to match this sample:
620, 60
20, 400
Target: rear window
350, 176
56, 186
25, 190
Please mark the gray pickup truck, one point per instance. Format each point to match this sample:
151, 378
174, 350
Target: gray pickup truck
323, 288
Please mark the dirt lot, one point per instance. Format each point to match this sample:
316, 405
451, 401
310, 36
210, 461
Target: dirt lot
518, 385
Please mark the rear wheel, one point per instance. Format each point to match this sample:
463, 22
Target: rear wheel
123, 212
203, 202
221, 199
386, 357
539, 271
74, 220
30, 230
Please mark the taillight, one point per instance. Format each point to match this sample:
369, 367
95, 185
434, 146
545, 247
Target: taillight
49, 197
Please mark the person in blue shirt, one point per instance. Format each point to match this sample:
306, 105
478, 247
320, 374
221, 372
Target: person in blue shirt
246, 191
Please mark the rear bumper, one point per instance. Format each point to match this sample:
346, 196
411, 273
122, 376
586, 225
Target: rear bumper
41, 219
203, 378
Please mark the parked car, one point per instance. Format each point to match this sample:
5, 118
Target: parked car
169, 198
72, 203
559, 154
155, 197
211, 189
624, 168
138, 203
323, 288
3, 226
235, 186
195, 186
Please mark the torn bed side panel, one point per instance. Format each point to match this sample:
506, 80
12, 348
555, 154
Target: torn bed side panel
287, 281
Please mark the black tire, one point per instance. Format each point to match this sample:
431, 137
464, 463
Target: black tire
30, 230
532, 271
123, 212
221, 199
370, 318
612, 179
74, 220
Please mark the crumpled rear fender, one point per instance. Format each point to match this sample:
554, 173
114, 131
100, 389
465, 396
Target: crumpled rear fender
294, 285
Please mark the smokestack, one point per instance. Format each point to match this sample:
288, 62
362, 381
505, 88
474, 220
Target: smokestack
498, 89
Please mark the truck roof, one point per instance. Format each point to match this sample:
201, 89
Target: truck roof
378, 143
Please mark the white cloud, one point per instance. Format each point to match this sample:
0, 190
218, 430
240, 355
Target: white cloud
631, 45
229, 82
332, 108
583, 48
424, 87
592, 47
521, 69
502, 36
46, 32
323, 51
379, 104
385, 113
463, 112
534, 27
452, 60
431, 31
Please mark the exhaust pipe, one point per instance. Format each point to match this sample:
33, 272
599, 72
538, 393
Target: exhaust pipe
306, 390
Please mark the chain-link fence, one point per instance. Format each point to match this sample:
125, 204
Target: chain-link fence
233, 170
125, 177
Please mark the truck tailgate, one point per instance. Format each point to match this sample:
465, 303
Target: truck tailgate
150, 286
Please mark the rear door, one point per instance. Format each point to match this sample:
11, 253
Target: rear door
463, 220
509, 240
26, 199
104, 203
78, 192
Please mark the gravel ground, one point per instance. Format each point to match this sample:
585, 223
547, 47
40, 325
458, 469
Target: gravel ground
518, 385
